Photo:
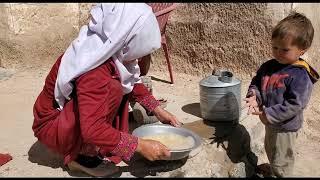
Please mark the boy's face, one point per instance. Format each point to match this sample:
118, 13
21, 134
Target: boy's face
285, 52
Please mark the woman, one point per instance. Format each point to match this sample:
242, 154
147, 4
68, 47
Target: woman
83, 107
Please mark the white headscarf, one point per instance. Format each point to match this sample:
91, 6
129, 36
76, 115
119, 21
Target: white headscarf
123, 31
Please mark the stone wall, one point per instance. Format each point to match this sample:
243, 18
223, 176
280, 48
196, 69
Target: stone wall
201, 36
38, 32
205, 36
234, 36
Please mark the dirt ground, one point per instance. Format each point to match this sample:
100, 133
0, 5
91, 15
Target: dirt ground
19, 89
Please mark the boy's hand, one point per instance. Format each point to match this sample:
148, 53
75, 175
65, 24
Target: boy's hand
251, 102
262, 116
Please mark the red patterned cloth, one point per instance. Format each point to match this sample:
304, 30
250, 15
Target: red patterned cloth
144, 97
4, 158
124, 150
126, 146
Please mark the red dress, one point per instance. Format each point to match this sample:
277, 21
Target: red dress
95, 117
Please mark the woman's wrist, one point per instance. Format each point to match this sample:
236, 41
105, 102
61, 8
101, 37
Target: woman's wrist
139, 146
156, 110
126, 147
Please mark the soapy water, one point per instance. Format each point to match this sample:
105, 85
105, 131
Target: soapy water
173, 141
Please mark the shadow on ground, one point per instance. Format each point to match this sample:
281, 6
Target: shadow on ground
193, 109
141, 167
40, 154
232, 137
160, 80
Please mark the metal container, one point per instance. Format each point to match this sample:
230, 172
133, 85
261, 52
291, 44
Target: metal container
220, 95
153, 129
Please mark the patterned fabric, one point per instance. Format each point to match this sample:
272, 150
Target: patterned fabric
4, 158
126, 146
149, 102
141, 95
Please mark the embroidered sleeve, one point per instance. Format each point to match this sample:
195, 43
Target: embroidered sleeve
149, 102
141, 94
126, 146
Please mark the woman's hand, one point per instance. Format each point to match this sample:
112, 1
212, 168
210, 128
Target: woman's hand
166, 117
152, 150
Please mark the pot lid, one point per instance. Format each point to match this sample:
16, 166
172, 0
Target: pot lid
220, 79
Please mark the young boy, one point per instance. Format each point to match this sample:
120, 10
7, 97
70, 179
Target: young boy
281, 90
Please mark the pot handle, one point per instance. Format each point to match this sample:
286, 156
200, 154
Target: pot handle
216, 72
225, 76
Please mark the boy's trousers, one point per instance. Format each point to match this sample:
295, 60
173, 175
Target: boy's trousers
280, 149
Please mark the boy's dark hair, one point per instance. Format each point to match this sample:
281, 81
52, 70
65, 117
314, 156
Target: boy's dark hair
297, 26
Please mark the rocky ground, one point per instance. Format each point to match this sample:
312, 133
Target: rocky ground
218, 157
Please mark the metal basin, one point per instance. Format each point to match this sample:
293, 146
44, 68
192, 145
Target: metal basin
153, 129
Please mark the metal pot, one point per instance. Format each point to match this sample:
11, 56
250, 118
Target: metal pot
220, 95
